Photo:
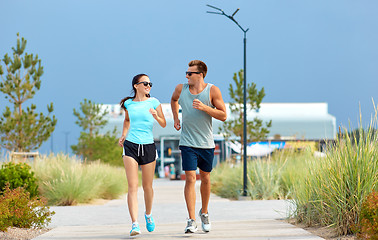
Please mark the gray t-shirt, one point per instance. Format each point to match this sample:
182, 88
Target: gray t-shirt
197, 126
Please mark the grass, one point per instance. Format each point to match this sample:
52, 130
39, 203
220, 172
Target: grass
327, 192
335, 187
268, 178
227, 181
64, 180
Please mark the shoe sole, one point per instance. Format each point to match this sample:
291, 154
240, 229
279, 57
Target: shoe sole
190, 231
134, 233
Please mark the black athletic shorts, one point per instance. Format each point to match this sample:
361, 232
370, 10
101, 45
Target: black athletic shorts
142, 153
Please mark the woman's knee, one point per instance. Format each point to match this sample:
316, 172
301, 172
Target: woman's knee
147, 186
132, 188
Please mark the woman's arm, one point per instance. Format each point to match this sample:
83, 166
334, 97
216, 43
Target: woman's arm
159, 116
125, 129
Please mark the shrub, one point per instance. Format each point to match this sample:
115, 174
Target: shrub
226, 181
65, 180
18, 175
99, 147
268, 178
335, 186
369, 217
17, 209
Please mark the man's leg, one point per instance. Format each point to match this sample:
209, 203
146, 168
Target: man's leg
205, 190
190, 193
205, 165
189, 165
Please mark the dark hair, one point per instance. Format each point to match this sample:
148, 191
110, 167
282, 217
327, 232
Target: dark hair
136, 79
201, 66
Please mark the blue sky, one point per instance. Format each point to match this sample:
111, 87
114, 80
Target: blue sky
299, 51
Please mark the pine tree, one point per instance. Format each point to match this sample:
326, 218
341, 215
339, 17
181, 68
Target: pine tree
91, 144
255, 129
23, 130
92, 118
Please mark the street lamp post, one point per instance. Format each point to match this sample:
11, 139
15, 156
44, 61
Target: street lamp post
221, 12
66, 133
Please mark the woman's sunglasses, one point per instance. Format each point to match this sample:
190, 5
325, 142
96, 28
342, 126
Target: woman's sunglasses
145, 83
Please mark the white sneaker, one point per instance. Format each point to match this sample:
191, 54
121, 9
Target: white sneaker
191, 226
206, 225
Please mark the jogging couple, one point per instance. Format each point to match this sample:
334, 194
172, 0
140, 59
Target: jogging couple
200, 102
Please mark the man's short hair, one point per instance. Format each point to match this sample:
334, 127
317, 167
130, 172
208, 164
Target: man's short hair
201, 66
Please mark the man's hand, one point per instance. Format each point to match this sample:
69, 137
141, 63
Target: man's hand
177, 124
197, 104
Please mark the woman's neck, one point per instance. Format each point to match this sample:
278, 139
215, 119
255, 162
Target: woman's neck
140, 97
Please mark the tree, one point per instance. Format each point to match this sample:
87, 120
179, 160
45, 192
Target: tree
91, 144
93, 117
234, 127
22, 130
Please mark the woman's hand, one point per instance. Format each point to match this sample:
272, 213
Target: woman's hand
154, 113
121, 140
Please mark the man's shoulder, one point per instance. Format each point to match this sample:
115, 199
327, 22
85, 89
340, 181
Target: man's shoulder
213, 87
180, 86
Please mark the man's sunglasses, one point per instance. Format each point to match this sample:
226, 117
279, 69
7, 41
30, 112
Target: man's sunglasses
190, 73
145, 84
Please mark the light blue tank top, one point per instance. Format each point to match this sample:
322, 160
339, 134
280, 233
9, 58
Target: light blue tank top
141, 120
197, 126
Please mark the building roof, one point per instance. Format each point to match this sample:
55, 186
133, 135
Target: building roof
302, 121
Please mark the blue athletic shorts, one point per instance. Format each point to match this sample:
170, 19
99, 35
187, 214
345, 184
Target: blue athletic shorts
197, 157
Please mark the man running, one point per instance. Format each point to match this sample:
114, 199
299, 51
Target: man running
200, 102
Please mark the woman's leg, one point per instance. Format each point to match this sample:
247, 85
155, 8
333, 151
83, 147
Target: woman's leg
131, 167
148, 171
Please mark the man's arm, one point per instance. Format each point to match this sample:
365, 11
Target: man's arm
219, 112
175, 106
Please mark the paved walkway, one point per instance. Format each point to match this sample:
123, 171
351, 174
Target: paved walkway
230, 219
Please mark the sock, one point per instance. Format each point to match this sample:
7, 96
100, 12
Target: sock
149, 215
136, 222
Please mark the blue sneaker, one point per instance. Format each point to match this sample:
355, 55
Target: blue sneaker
135, 230
150, 223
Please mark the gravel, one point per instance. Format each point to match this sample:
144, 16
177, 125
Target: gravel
13, 233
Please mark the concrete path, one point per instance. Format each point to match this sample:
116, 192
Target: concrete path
230, 219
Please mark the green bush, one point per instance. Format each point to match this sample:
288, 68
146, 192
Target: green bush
265, 179
17, 209
268, 178
18, 175
99, 147
65, 180
369, 217
333, 191
226, 181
